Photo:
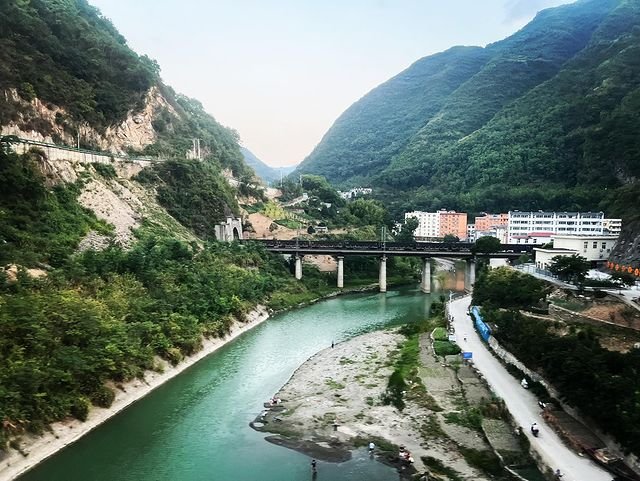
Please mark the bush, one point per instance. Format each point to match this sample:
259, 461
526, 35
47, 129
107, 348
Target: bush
445, 348
80, 408
395, 391
103, 397
105, 170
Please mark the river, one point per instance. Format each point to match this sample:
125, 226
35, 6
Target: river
196, 426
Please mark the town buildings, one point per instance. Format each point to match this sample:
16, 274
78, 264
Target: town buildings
488, 222
355, 192
595, 249
438, 224
453, 223
514, 227
538, 227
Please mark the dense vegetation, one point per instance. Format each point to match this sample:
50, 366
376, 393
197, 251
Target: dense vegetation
545, 119
193, 192
99, 318
37, 224
66, 53
604, 385
219, 145
507, 288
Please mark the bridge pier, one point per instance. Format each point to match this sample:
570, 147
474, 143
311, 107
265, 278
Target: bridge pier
425, 285
340, 272
383, 274
471, 274
298, 259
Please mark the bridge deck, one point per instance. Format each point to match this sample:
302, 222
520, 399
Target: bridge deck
351, 248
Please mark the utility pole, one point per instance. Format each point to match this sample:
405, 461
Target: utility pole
78, 139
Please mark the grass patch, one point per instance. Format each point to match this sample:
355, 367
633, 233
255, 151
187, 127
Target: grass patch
431, 428
440, 334
105, 170
346, 360
570, 304
333, 384
485, 461
470, 418
437, 467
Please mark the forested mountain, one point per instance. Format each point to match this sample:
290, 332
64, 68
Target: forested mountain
266, 173
107, 267
545, 119
66, 73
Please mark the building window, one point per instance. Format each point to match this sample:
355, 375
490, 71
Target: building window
595, 245
586, 244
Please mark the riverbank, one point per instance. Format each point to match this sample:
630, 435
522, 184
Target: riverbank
331, 402
64, 433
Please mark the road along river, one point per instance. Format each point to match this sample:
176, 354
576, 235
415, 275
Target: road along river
522, 404
196, 426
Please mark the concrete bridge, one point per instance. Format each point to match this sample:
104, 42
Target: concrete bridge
424, 250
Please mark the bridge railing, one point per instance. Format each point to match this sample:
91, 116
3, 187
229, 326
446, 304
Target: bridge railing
462, 247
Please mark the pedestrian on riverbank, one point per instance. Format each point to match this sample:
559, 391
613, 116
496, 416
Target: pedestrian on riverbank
332, 344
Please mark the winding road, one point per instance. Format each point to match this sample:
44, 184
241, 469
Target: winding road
522, 404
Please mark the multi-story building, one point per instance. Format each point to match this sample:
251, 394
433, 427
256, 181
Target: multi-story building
471, 232
453, 223
428, 224
530, 225
438, 224
596, 249
488, 222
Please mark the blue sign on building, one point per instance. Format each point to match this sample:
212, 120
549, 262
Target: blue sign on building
467, 355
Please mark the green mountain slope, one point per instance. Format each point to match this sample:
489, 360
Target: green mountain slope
378, 126
65, 70
546, 121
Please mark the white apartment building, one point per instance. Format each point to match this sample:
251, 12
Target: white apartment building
355, 192
595, 249
428, 223
526, 227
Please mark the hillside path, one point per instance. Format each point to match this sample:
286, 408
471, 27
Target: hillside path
522, 404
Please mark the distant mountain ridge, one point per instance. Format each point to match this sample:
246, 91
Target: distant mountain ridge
266, 173
544, 119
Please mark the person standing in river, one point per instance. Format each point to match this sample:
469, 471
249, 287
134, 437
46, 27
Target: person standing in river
314, 468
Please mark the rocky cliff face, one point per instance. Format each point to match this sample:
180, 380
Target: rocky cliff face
627, 250
40, 121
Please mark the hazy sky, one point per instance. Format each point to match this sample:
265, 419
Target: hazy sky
281, 71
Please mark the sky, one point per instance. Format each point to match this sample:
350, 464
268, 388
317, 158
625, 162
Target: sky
281, 71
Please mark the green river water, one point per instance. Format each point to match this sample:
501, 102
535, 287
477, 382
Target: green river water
196, 426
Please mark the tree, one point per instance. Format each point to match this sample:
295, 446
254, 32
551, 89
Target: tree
570, 268
507, 288
408, 228
486, 245
449, 238
624, 278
